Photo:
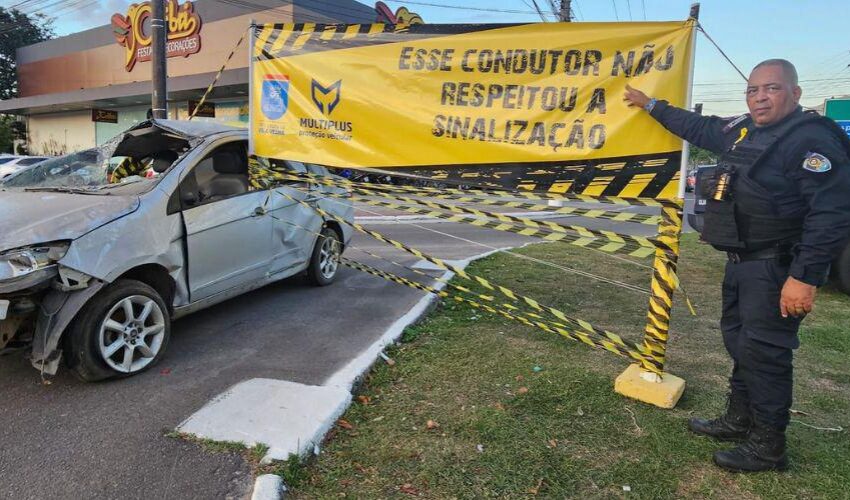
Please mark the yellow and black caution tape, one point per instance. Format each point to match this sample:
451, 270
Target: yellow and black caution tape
638, 218
128, 166
612, 337
649, 363
609, 336
266, 171
586, 239
616, 339
545, 229
488, 198
581, 241
664, 282
274, 40
217, 76
651, 355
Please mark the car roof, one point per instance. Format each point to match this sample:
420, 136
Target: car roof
196, 129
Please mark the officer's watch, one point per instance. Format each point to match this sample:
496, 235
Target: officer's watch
650, 105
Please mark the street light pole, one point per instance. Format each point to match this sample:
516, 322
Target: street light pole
159, 72
565, 11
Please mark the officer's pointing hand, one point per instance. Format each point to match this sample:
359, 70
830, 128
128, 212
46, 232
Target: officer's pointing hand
797, 298
635, 97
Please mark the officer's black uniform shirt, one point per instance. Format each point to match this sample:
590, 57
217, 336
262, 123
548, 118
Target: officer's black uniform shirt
824, 196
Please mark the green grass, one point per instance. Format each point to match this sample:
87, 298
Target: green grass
505, 429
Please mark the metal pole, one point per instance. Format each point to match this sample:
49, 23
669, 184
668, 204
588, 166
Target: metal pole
565, 11
159, 72
251, 39
686, 148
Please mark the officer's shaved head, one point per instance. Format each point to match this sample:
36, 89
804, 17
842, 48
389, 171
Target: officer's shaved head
772, 91
788, 69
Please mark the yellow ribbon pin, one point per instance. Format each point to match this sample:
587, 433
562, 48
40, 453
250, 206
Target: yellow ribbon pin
743, 134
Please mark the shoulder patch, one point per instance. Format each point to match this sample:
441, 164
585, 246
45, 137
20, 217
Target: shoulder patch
735, 121
816, 162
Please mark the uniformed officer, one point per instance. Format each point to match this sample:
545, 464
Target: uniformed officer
779, 205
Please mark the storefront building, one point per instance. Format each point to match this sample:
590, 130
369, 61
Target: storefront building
80, 90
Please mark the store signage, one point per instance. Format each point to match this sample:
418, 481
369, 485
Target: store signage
207, 110
402, 15
104, 116
133, 31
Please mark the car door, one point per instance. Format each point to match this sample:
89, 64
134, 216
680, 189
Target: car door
295, 225
228, 228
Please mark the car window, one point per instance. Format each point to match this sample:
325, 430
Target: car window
30, 161
6, 160
221, 174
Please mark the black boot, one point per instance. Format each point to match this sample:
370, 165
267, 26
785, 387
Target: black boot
734, 425
764, 450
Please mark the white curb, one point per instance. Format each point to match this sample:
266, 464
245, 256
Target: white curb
293, 418
346, 377
268, 487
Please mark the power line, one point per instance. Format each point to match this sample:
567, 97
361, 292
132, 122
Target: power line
702, 30
629, 5
616, 14
643, 6
800, 81
539, 12
831, 94
578, 7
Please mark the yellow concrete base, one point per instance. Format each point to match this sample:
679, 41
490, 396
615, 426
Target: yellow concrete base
659, 390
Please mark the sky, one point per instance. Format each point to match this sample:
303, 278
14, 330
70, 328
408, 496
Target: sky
811, 34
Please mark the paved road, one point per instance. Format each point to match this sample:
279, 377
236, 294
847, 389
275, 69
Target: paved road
75, 440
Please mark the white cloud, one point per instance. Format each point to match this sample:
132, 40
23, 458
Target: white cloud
92, 16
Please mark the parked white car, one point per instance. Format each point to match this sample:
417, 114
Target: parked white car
11, 164
93, 269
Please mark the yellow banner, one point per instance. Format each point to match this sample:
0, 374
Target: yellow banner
503, 100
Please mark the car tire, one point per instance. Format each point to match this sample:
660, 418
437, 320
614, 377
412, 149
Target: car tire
324, 262
842, 270
121, 331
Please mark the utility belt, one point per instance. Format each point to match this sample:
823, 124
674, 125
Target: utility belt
780, 253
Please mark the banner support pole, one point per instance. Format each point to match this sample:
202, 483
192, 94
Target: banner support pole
637, 382
686, 147
251, 36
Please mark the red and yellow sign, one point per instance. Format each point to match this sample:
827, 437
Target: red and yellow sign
401, 16
133, 32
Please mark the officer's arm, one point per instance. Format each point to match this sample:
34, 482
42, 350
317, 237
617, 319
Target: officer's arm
703, 131
821, 168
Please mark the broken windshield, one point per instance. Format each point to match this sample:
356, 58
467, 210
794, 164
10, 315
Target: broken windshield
148, 155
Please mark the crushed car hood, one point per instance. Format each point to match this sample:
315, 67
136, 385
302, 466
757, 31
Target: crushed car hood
28, 218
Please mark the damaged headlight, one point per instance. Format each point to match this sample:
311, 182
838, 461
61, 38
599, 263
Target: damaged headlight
27, 260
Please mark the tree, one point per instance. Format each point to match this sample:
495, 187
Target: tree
7, 134
18, 29
699, 156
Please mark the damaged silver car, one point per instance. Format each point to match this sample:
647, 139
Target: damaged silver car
100, 250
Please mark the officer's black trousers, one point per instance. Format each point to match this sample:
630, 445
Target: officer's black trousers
759, 340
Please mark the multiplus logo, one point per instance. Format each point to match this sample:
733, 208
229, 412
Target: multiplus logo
326, 98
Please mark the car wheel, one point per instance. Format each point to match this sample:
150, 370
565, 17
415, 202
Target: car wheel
842, 270
121, 331
324, 263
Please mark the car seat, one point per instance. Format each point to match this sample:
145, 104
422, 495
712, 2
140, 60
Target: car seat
231, 175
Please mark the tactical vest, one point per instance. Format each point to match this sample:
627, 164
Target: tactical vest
748, 218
